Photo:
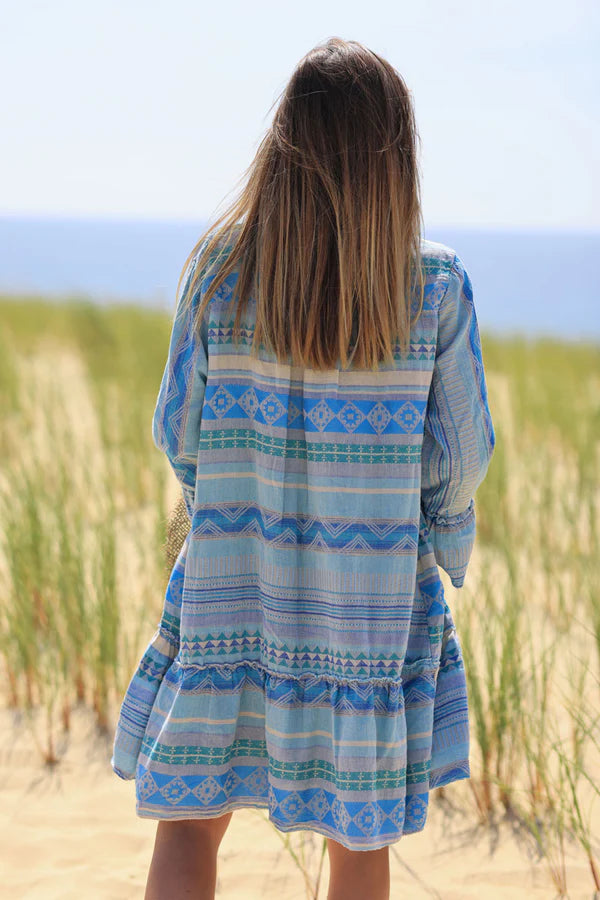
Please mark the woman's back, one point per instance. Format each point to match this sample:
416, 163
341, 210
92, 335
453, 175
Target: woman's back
307, 659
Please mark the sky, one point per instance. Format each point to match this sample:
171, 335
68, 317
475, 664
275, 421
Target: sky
153, 110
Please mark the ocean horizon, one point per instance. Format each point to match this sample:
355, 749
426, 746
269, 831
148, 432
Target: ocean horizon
525, 283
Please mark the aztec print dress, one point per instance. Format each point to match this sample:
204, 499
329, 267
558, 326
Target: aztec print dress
306, 660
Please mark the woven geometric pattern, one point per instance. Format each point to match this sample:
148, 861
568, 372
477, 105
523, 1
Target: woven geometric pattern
178, 528
306, 660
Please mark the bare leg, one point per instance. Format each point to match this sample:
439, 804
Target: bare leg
357, 874
184, 862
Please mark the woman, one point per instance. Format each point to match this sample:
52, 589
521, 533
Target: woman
324, 408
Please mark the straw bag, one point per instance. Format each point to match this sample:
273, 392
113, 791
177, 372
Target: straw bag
178, 527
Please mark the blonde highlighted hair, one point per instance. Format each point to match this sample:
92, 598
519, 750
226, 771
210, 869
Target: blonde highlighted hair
326, 230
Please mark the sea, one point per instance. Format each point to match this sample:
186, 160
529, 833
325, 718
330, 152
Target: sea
525, 283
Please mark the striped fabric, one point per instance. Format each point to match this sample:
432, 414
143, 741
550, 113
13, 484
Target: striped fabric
306, 660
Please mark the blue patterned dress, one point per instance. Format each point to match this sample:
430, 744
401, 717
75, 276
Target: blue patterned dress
306, 660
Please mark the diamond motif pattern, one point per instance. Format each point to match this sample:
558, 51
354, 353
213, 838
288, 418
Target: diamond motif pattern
230, 782
292, 806
175, 790
257, 781
249, 402
341, 816
408, 416
416, 810
221, 402
379, 418
397, 813
318, 804
207, 790
320, 415
146, 786
368, 819
272, 409
350, 416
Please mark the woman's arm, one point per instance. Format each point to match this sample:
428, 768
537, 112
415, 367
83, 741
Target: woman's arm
459, 436
176, 430
178, 411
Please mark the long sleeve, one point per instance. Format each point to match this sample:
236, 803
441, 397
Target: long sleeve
178, 411
459, 435
176, 430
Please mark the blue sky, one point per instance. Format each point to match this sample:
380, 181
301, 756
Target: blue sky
154, 110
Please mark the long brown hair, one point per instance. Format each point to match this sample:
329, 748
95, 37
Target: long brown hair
327, 228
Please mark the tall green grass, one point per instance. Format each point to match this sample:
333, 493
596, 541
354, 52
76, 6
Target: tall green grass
528, 614
83, 499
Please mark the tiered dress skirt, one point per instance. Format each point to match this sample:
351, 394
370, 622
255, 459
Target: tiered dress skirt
349, 749
350, 755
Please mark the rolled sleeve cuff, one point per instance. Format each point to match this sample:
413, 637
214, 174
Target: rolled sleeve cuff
452, 539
